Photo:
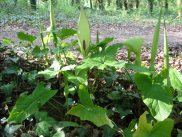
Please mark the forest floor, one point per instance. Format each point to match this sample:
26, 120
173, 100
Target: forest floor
119, 32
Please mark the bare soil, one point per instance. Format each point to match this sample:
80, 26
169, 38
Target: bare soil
119, 31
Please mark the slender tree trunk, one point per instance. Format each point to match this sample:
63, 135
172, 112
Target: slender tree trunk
72, 2
130, 4
108, 2
150, 6
91, 4
119, 4
33, 4
15, 1
166, 5
101, 4
126, 4
137, 4
179, 5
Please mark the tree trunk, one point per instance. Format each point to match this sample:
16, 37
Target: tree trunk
91, 4
33, 4
101, 4
126, 4
130, 4
179, 5
119, 4
150, 6
108, 2
73, 2
15, 1
166, 5
137, 4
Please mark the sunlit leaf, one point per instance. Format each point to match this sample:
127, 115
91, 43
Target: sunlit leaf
176, 82
159, 129
134, 45
10, 129
52, 71
157, 97
27, 105
38, 52
26, 37
88, 111
83, 33
65, 33
59, 133
105, 42
64, 124
104, 59
95, 114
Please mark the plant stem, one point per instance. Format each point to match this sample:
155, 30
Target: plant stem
166, 54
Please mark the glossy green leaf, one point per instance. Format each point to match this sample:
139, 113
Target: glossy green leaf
84, 96
134, 45
65, 33
26, 37
137, 68
27, 105
13, 69
159, 129
76, 78
8, 88
88, 111
38, 52
59, 134
110, 51
64, 124
44, 124
103, 59
52, 71
155, 43
156, 96
42, 128
43, 116
105, 42
83, 33
176, 82
94, 114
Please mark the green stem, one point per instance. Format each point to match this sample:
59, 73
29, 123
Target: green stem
43, 45
155, 43
166, 54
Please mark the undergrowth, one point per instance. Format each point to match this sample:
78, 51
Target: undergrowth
76, 87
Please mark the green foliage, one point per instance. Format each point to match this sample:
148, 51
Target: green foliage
52, 71
134, 45
38, 52
88, 111
155, 42
146, 129
27, 105
83, 33
157, 97
166, 54
7, 88
26, 37
65, 33
93, 78
176, 82
103, 59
